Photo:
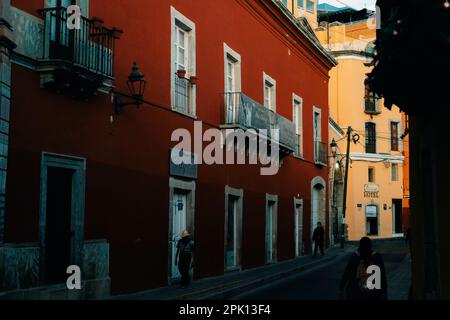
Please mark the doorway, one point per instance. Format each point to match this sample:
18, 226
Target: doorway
298, 225
58, 231
372, 220
181, 217
397, 216
271, 228
61, 221
178, 225
62, 40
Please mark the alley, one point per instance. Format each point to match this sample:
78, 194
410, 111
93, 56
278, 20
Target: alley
322, 282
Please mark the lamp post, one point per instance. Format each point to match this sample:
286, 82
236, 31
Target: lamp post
136, 84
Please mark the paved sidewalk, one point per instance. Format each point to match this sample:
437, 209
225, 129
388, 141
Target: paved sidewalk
221, 287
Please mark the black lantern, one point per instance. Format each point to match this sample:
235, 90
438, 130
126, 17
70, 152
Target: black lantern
136, 84
333, 147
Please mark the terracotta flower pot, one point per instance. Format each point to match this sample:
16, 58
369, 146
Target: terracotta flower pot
181, 73
193, 80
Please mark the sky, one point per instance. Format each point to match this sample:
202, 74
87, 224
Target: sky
357, 4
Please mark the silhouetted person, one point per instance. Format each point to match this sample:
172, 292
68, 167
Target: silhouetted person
354, 282
319, 238
184, 257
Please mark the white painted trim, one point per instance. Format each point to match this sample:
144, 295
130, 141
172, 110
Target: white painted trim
376, 157
297, 98
318, 181
352, 57
228, 52
298, 203
178, 19
272, 198
273, 82
188, 187
238, 193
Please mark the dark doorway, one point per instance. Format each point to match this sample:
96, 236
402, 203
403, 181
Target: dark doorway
58, 235
62, 39
397, 215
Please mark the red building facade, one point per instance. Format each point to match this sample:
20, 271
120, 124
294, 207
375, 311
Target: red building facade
100, 187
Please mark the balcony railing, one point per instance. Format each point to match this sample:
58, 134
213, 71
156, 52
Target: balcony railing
182, 95
91, 47
320, 152
242, 111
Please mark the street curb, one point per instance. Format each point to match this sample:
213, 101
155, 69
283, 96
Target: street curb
227, 293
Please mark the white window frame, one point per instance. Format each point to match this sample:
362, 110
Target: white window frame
399, 133
317, 110
299, 121
231, 55
178, 20
273, 92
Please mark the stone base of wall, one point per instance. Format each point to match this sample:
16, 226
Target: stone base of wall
19, 274
91, 289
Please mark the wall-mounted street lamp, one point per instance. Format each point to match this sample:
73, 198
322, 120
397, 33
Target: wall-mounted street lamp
334, 147
136, 84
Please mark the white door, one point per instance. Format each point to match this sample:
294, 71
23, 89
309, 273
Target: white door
269, 233
178, 225
231, 233
315, 209
298, 234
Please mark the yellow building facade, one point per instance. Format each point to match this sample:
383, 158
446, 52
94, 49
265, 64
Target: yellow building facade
303, 8
375, 176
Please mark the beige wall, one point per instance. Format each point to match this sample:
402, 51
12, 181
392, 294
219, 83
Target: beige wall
346, 100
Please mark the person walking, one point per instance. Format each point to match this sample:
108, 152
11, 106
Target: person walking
319, 239
185, 257
354, 282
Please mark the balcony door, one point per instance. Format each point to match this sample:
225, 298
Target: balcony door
231, 95
61, 38
317, 122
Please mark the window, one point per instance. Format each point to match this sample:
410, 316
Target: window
298, 122
270, 93
371, 101
310, 6
284, 2
395, 136
371, 139
232, 80
320, 149
371, 175
183, 59
394, 172
300, 4
271, 228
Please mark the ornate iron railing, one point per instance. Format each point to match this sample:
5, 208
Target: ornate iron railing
91, 46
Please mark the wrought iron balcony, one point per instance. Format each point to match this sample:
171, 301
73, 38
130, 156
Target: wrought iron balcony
82, 57
240, 111
182, 95
320, 153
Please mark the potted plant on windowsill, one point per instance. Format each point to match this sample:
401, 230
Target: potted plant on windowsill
193, 80
181, 73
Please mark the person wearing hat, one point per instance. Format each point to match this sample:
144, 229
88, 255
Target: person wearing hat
184, 257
